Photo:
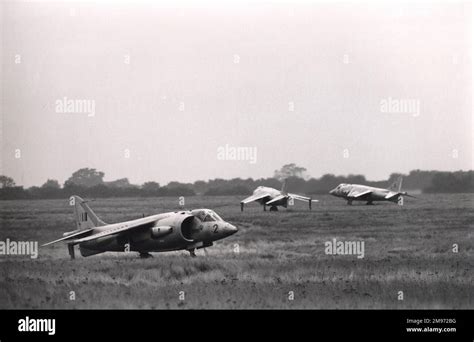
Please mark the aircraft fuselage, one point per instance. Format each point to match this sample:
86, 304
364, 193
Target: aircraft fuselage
159, 233
271, 194
376, 194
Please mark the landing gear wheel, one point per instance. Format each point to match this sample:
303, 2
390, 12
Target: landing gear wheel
192, 252
370, 203
145, 255
273, 208
349, 202
70, 247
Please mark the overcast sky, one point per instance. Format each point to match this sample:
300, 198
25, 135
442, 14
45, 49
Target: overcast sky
303, 83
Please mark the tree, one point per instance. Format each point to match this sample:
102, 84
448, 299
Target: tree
85, 177
290, 170
200, 186
119, 183
52, 184
6, 182
50, 189
174, 185
151, 186
296, 184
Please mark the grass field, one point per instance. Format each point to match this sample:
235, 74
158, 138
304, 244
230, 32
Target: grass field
407, 249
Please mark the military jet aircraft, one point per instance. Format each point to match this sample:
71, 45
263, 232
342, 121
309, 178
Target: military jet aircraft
181, 230
273, 197
356, 192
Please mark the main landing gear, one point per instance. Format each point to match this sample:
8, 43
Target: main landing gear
70, 248
144, 255
192, 252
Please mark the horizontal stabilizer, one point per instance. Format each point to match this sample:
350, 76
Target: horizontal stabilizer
276, 199
302, 198
356, 194
145, 223
254, 198
391, 195
79, 234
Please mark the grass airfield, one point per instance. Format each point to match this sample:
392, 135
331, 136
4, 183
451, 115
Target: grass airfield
277, 260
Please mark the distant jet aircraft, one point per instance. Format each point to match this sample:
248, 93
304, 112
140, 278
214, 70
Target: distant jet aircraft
182, 230
273, 197
356, 192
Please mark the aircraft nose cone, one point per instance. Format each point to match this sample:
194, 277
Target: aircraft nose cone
232, 229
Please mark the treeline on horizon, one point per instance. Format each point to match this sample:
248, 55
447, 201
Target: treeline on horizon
89, 183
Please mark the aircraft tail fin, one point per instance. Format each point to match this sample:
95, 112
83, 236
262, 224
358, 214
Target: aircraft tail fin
283, 187
83, 214
397, 185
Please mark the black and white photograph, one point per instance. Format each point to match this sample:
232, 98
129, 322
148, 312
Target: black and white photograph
237, 155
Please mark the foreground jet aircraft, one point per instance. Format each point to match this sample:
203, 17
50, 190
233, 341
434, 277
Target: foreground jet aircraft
189, 230
356, 192
273, 197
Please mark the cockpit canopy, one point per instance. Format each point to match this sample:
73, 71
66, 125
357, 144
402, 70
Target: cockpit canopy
206, 215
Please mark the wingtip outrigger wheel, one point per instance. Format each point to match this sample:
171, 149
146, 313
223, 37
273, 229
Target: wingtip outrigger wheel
241, 206
309, 202
70, 248
264, 207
